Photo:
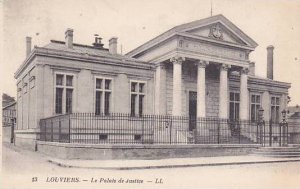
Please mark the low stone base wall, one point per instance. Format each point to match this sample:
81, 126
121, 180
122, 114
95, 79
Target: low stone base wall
6, 134
294, 138
26, 140
98, 151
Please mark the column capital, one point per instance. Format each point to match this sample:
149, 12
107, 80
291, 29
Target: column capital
202, 63
177, 59
225, 67
244, 71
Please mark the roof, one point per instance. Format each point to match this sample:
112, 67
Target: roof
9, 105
83, 49
85, 52
192, 25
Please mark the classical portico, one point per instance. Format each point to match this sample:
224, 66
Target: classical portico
183, 55
178, 88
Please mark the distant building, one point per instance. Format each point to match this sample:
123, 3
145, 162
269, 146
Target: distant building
294, 123
198, 69
6, 100
8, 116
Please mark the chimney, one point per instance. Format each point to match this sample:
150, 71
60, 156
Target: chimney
252, 68
28, 46
270, 62
113, 44
69, 38
98, 44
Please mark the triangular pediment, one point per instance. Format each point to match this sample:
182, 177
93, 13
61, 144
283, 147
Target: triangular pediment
217, 31
215, 28
218, 28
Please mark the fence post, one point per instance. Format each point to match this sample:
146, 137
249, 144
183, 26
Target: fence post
270, 133
143, 135
287, 133
239, 130
59, 129
171, 122
12, 134
218, 131
280, 126
257, 132
69, 128
51, 130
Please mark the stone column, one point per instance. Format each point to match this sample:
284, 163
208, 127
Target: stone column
201, 88
244, 95
177, 82
223, 92
160, 89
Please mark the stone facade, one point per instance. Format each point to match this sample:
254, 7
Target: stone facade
187, 58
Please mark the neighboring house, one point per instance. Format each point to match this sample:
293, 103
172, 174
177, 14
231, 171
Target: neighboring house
8, 116
293, 109
6, 100
199, 69
294, 123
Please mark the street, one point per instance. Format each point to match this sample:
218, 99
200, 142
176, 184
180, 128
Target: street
25, 169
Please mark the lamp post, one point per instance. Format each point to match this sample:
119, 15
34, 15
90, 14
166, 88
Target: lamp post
284, 128
260, 123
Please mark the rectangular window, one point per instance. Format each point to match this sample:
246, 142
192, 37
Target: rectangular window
132, 109
64, 93
106, 103
59, 79
275, 107
69, 94
58, 100
103, 96
98, 102
234, 106
137, 98
255, 104
69, 80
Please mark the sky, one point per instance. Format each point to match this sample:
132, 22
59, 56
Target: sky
134, 22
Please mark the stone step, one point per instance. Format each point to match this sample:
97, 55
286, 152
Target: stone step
283, 152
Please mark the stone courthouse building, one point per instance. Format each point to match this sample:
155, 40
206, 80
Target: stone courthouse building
198, 69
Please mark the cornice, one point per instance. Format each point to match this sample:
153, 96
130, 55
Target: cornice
109, 60
267, 82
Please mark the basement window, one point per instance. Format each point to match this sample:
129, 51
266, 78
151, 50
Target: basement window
103, 137
137, 137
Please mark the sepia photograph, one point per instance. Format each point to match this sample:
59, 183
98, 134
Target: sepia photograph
150, 94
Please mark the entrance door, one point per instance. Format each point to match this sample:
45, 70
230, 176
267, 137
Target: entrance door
192, 110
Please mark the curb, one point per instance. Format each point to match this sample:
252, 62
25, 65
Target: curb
173, 166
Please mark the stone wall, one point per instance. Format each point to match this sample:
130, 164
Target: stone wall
85, 151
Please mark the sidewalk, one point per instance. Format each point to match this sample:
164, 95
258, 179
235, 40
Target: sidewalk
168, 163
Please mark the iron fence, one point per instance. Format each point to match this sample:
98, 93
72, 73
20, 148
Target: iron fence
118, 128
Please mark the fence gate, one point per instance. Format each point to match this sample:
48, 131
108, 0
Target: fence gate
274, 134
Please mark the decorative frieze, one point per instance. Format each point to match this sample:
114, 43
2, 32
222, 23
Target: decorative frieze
209, 49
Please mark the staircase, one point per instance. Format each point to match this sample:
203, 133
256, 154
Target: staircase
279, 152
214, 137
